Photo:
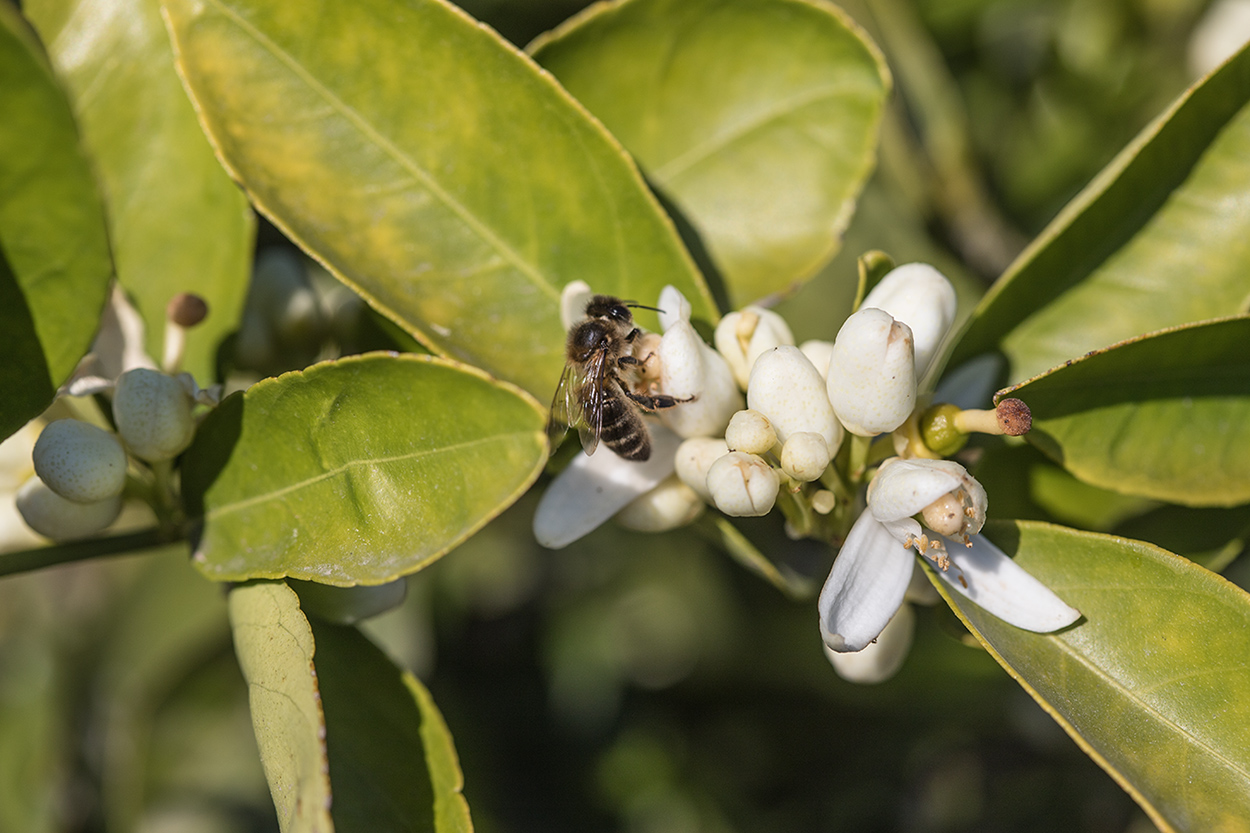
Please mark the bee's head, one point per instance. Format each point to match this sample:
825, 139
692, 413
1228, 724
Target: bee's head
613, 309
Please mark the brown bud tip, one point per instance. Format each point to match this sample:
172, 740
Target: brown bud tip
186, 309
1014, 417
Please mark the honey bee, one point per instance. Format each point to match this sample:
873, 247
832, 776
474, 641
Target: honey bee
592, 395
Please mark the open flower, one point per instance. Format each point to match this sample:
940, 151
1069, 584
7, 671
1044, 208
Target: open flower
873, 568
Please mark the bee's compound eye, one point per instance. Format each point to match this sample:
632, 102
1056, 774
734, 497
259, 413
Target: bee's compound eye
620, 312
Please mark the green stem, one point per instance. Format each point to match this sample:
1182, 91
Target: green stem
859, 457
40, 557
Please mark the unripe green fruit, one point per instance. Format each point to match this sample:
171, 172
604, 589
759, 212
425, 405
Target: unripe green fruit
79, 461
937, 428
153, 414
52, 516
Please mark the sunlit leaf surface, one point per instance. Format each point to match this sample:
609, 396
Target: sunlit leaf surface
432, 167
757, 117
1160, 238
177, 222
274, 645
1165, 417
54, 250
1153, 681
357, 471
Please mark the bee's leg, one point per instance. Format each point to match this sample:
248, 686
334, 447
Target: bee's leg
656, 402
633, 334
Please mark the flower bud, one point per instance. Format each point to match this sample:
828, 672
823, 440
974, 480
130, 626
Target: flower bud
79, 461
872, 373
52, 516
818, 353
883, 657
669, 505
742, 337
573, 300
805, 456
695, 457
750, 431
923, 299
673, 307
743, 485
689, 369
153, 414
786, 388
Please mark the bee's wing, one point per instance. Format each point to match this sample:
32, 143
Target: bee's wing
595, 390
566, 407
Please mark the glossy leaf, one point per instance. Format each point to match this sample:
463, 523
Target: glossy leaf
357, 471
274, 645
1160, 238
1165, 416
177, 222
1152, 682
392, 763
431, 167
54, 251
758, 118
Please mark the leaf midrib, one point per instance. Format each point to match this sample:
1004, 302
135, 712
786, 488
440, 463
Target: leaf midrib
1130, 697
395, 153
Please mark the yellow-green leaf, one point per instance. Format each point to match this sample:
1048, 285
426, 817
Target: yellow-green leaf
1160, 238
1153, 681
177, 222
431, 166
757, 117
357, 471
54, 250
275, 647
1165, 416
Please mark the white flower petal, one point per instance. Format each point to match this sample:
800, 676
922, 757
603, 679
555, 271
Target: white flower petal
673, 307
689, 368
923, 299
744, 336
573, 300
882, 659
669, 505
786, 388
1004, 588
904, 487
872, 373
595, 487
865, 586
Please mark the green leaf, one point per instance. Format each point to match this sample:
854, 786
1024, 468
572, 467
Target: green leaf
54, 250
357, 471
177, 222
1165, 416
432, 167
274, 645
757, 117
1151, 682
392, 763
1160, 238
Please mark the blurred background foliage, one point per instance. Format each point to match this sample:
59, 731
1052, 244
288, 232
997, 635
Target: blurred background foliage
647, 684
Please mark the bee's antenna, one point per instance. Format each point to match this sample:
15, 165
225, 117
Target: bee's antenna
642, 306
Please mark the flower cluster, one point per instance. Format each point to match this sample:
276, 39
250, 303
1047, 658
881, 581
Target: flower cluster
772, 425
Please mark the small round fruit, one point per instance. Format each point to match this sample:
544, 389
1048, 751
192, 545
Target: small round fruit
153, 414
52, 516
79, 461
